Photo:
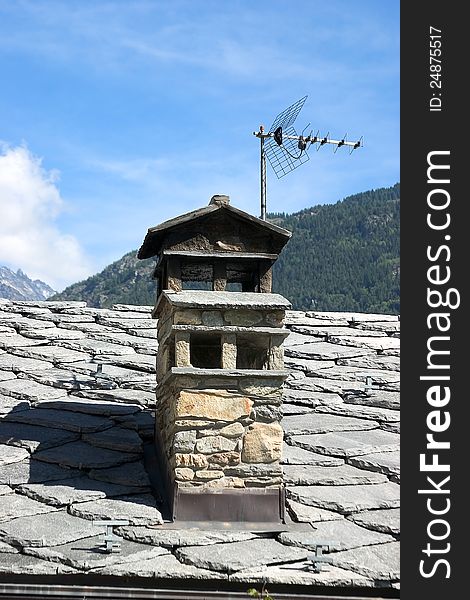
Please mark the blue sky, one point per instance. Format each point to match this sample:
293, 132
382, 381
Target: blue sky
119, 114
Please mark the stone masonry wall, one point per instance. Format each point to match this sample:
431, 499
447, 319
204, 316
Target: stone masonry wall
217, 437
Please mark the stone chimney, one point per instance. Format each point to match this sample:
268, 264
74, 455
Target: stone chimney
220, 363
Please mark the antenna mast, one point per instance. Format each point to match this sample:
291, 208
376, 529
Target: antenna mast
262, 173
286, 150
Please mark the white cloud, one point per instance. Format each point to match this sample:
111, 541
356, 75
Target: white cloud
30, 239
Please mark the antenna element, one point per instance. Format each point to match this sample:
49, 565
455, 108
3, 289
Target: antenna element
286, 150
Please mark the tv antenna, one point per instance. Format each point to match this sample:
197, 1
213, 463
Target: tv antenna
286, 150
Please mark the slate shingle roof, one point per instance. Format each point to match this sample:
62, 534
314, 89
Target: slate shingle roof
72, 438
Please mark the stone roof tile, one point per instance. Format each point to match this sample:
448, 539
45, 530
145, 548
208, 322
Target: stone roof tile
341, 464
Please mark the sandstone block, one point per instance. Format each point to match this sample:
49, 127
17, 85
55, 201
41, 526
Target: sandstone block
197, 461
224, 482
209, 474
223, 459
262, 443
184, 474
229, 351
212, 404
234, 430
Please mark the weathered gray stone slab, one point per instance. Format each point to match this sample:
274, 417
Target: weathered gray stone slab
145, 333
132, 474
380, 562
386, 521
57, 305
92, 407
127, 309
53, 353
381, 343
88, 553
20, 322
66, 318
5, 330
17, 364
63, 379
17, 341
356, 375
33, 471
301, 573
6, 548
31, 311
340, 475
11, 454
112, 373
138, 343
149, 385
119, 322
326, 351
353, 317
86, 328
32, 437
141, 362
95, 347
324, 423
15, 506
297, 339
84, 456
116, 438
7, 376
305, 365
341, 535
165, 566
296, 318
237, 556
303, 513
390, 363
52, 529
329, 331
53, 333
19, 564
59, 419
295, 409
137, 509
77, 489
143, 422
391, 352
308, 397
9, 404
377, 398
348, 498
25, 389
5, 489
382, 415
349, 443
128, 396
392, 427
386, 326
319, 384
382, 462
293, 455
173, 538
